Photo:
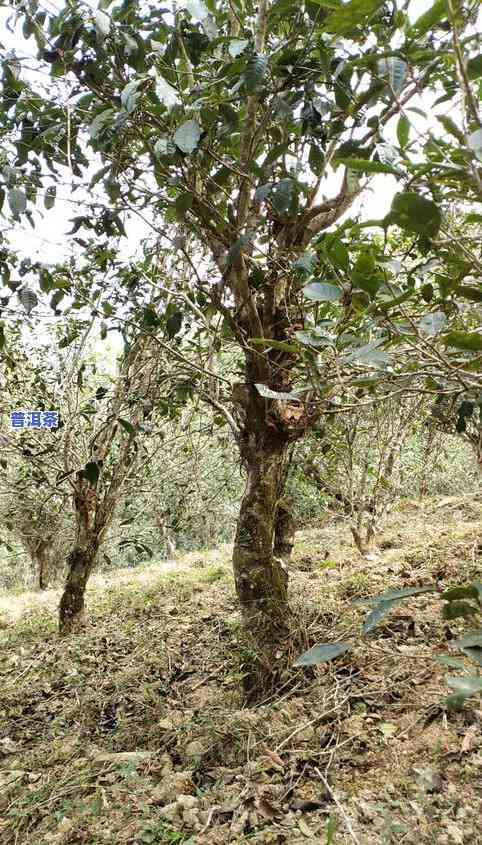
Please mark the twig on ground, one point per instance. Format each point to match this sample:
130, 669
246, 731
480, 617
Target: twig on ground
339, 806
318, 718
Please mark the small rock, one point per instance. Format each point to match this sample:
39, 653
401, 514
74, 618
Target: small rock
187, 801
367, 811
454, 833
191, 819
195, 748
173, 785
7, 746
170, 812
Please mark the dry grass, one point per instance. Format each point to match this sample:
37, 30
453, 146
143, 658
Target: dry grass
361, 745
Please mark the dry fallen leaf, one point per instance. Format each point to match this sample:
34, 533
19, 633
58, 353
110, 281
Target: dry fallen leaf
268, 810
388, 729
470, 740
305, 830
274, 757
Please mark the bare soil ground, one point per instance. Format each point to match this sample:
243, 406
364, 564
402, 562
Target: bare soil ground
134, 731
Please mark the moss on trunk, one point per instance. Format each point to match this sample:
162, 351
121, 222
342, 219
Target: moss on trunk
71, 610
261, 577
284, 532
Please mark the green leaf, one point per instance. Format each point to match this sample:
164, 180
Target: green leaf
131, 45
474, 67
467, 592
321, 654
196, 9
470, 293
67, 340
465, 686
49, 198
395, 70
330, 828
474, 653
475, 143
453, 662
403, 131
187, 136
236, 47
282, 195
456, 609
430, 18
316, 159
451, 127
17, 201
471, 341
310, 339
57, 296
327, 4
102, 24
305, 264
346, 19
255, 72
432, 323
91, 472
184, 203
174, 323
376, 615
396, 595
28, 299
369, 354
99, 123
361, 165
339, 254
471, 640
126, 425
265, 391
129, 99
454, 702
163, 147
322, 292
150, 318
415, 213
166, 93
263, 191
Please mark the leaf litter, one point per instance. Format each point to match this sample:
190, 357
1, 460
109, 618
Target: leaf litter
135, 730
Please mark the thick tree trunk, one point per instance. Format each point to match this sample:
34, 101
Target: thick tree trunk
261, 577
284, 531
71, 610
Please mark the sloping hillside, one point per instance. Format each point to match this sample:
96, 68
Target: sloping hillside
135, 732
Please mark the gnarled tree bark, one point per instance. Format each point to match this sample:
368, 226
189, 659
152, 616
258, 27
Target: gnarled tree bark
284, 530
80, 563
261, 576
